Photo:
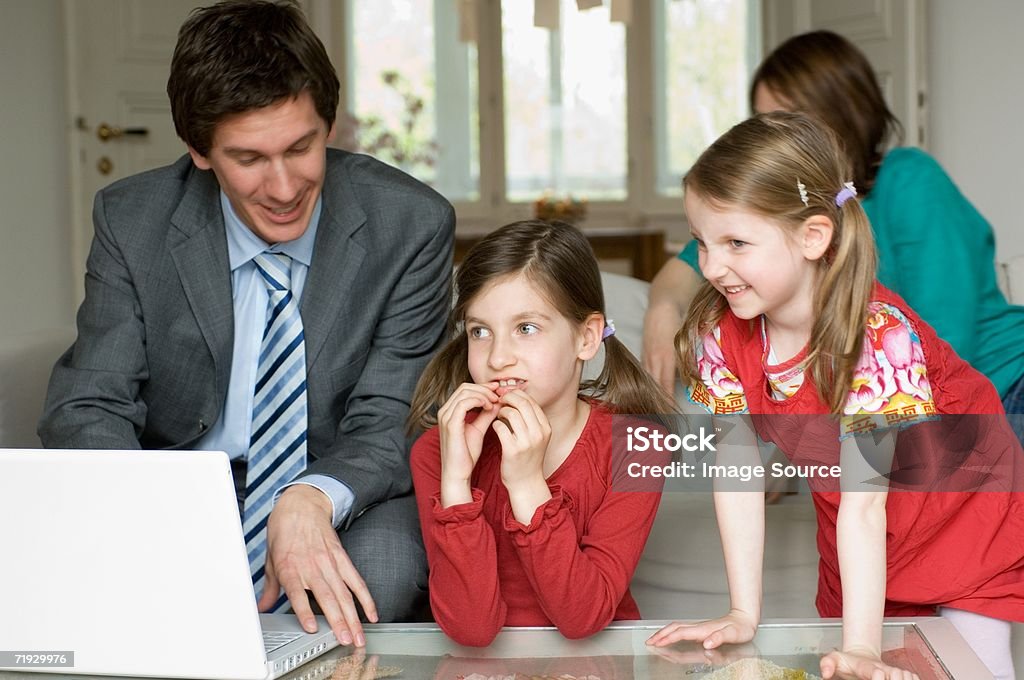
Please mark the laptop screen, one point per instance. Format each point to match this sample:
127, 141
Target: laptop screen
131, 560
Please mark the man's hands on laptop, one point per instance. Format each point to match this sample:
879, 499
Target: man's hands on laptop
304, 553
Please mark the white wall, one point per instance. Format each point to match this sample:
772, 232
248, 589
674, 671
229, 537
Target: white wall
975, 53
35, 286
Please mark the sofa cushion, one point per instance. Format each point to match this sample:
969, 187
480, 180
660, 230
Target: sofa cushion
26, 361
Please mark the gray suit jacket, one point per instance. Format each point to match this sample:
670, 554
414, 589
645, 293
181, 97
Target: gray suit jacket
151, 364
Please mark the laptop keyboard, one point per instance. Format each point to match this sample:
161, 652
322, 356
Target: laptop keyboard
274, 639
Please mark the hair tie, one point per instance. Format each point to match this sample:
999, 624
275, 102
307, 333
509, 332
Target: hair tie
609, 329
802, 188
846, 193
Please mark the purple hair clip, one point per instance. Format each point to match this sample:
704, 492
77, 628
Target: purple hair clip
846, 193
609, 329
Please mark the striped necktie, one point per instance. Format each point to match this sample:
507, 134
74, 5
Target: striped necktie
277, 445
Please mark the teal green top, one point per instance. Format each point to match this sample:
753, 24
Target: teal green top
938, 253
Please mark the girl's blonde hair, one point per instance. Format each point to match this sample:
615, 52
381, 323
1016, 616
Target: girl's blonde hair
759, 166
557, 258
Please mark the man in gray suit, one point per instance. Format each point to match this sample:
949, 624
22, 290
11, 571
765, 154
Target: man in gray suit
171, 331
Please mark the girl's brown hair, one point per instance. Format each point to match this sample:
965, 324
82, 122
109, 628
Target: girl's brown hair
557, 258
824, 75
757, 166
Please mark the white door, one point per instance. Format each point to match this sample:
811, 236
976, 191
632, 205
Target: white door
890, 32
119, 53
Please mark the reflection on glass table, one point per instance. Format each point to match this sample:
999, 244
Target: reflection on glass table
782, 650
930, 647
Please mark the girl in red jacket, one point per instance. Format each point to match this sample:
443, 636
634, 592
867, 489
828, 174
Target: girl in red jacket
927, 516
514, 483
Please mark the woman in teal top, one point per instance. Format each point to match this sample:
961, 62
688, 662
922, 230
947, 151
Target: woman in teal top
934, 248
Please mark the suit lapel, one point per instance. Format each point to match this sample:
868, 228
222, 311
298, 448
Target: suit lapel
200, 251
337, 258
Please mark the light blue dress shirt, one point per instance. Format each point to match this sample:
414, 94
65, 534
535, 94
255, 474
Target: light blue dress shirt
249, 298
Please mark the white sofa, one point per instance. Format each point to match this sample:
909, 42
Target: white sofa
26, 360
1011, 278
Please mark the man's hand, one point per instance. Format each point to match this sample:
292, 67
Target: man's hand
304, 553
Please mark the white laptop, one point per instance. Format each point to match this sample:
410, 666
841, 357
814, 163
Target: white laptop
133, 563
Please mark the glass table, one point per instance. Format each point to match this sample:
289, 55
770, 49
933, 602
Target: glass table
930, 647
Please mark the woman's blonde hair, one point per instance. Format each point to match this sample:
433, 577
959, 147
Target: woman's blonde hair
759, 166
557, 258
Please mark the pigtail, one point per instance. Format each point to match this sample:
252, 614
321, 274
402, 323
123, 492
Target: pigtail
446, 371
625, 386
841, 306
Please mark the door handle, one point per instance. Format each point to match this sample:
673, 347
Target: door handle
107, 132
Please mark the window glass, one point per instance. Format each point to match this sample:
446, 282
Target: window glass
412, 88
704, 53
565, 103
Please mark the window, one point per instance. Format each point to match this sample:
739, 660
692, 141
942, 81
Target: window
409, 110
565, 103
704, 51
493, 111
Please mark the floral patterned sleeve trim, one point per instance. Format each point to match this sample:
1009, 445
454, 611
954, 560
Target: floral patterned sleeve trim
719, 391
890, 384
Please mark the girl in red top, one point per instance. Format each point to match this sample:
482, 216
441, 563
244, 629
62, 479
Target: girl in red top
521, 523
791, 327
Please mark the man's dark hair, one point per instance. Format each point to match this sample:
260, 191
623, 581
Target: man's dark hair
240, 55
